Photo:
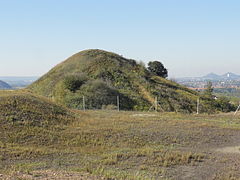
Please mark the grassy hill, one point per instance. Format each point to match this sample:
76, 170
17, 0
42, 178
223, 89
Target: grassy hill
4, 85
23, 108
101, 76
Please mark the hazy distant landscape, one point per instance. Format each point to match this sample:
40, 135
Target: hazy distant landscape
227, 85
4, 85
18, 82
228, 80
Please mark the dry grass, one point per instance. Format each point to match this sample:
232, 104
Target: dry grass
112, 144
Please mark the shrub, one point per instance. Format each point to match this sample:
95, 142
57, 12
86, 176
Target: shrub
224, 104
97, 95
74, 81
158, 69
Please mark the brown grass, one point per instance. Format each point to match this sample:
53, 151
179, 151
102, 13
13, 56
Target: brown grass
114, 144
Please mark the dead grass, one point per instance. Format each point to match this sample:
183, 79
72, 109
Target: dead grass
114, 144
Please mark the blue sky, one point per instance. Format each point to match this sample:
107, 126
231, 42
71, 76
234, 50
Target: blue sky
191, 37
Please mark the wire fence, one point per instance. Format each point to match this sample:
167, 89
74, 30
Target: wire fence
118, 103
97, 103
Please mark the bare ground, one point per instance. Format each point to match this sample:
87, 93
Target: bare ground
216, 137
50, 175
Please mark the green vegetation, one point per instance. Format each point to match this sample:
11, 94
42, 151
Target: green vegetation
100, 76
74, 81
222, 103
97, 95
231, 93
157, 68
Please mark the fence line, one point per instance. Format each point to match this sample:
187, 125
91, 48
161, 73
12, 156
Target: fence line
84, 104
117, 103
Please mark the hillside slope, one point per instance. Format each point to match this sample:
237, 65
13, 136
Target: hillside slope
101, 76
23, 108
4, 85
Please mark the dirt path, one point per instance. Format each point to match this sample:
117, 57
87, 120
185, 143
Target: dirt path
231, 149
222, 158
50, 175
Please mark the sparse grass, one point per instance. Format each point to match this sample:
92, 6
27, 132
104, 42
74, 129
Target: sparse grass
112, 144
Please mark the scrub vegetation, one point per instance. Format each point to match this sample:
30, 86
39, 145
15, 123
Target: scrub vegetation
100, 76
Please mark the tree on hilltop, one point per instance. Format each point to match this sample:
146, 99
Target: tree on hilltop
158, 69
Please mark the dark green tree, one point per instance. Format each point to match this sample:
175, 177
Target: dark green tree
158, 69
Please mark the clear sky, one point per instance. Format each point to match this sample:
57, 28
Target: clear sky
190, 37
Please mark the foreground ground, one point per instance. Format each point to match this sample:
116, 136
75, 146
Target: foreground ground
124, 145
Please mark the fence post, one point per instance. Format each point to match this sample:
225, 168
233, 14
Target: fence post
198, 102
84, 108
118, 104
237, 109
156, 103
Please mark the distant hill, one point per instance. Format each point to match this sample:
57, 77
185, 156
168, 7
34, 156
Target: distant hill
214, 77
101, 76
230, 76
211, 76
4, 85
18, 81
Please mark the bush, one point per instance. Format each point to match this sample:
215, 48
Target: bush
158, 69
224, 104
96, 93
74, 81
